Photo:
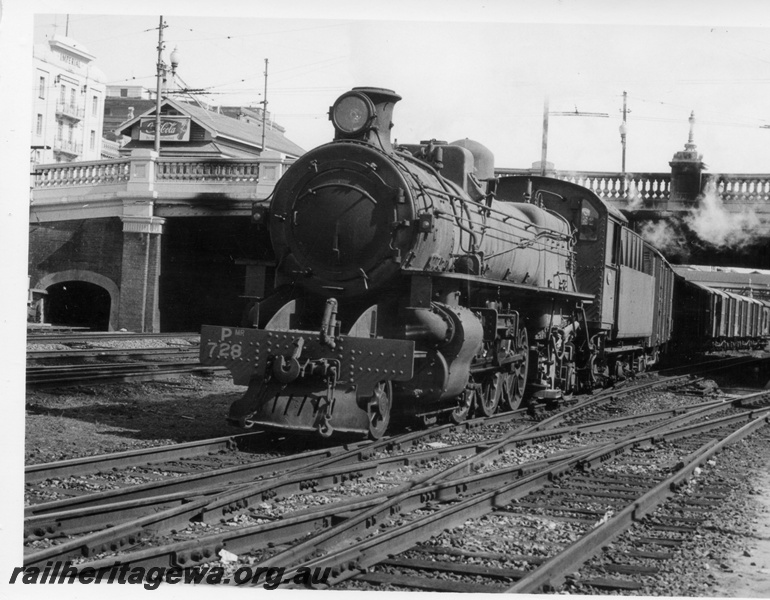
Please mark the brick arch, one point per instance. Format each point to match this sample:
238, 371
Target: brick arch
89, 277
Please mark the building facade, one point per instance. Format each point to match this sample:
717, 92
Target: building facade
67, 103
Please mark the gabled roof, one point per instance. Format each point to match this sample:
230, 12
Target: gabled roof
222, 127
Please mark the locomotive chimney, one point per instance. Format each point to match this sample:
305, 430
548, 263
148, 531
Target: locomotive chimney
365, 114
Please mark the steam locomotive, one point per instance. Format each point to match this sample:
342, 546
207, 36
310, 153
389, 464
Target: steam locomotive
411, 283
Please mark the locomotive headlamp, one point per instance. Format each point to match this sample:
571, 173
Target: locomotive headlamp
352, 113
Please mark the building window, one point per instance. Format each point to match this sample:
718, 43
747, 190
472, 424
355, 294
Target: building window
62, 92
59, 131
95, 106
41, 88
72, 97
71, 133
39, 128
123, 92
93, 139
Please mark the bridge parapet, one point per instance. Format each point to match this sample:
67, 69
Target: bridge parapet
647, 188
641, 188
60, 190
653, 191
196, 170
742, 188
82, 173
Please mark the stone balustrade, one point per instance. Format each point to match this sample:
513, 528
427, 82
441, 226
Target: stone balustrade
91, 173
191, 169
740, 188
647, 188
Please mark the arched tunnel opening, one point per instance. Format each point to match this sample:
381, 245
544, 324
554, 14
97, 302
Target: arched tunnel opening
78, 304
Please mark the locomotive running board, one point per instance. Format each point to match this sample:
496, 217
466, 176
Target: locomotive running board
501, 283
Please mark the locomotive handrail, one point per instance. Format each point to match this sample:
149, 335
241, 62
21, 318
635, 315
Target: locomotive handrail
313, 190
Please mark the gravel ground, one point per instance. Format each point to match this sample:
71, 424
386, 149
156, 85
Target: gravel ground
68, 423
96, 419
744, 571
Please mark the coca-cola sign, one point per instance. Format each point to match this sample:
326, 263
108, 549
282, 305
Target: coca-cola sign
175, 129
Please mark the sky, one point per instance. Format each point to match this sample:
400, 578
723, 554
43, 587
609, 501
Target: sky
481, 69
473, 69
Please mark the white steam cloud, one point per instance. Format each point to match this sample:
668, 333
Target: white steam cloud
713, 223
635, 199
666, 237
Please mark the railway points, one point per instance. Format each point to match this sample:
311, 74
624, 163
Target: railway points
579, 430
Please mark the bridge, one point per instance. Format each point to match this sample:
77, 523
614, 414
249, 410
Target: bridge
110, 187
103, 232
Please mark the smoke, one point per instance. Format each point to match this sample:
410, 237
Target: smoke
667, 237
707, 225
722, 228
635, 200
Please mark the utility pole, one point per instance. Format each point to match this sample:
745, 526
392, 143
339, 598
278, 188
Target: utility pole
160, 75
264, 109
623, 132
544, 152
546, 114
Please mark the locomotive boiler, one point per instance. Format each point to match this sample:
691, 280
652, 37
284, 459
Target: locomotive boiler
403, 288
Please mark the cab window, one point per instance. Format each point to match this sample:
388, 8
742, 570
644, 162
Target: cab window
589, 222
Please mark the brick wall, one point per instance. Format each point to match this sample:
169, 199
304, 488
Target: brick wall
90, 245
139, 283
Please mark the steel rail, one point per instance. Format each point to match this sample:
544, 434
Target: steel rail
84, 513
47, 338
336, 535
81, 352
133, 458
553, 571
120, 536
90, 513
316, 459
235, 474
205, 548
263, 535
352, 560
76, 370
76, 515
107, 509
94, 517
93, 464
115, 374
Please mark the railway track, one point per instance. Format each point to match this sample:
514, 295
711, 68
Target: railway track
163, 514
68, 359
75, 375
454, 435
555, 519
79, 337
